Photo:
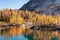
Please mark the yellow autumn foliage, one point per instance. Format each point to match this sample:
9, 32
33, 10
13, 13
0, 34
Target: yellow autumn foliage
17, 20
19, 17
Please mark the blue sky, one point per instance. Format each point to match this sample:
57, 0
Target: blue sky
12, 4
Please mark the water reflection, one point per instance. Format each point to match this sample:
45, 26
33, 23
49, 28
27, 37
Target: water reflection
20, 37
42, 35
28, 34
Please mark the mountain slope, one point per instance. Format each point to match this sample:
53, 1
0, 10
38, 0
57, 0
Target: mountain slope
42, 6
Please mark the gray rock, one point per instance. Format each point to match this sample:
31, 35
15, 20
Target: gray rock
43, 6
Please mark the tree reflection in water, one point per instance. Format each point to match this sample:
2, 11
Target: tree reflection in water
31, 34
42, 35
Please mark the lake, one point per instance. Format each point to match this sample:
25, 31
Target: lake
28, 34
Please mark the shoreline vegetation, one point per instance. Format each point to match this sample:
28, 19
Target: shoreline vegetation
26, 19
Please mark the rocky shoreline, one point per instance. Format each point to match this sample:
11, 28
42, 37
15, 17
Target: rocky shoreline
42, 27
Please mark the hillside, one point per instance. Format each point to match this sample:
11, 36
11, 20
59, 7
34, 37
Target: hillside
26, 17
48, 7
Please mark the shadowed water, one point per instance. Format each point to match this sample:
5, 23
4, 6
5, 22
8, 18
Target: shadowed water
28, 34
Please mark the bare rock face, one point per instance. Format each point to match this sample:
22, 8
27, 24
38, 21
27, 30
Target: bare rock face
42, 6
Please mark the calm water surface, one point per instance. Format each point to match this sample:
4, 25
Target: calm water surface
28, 34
